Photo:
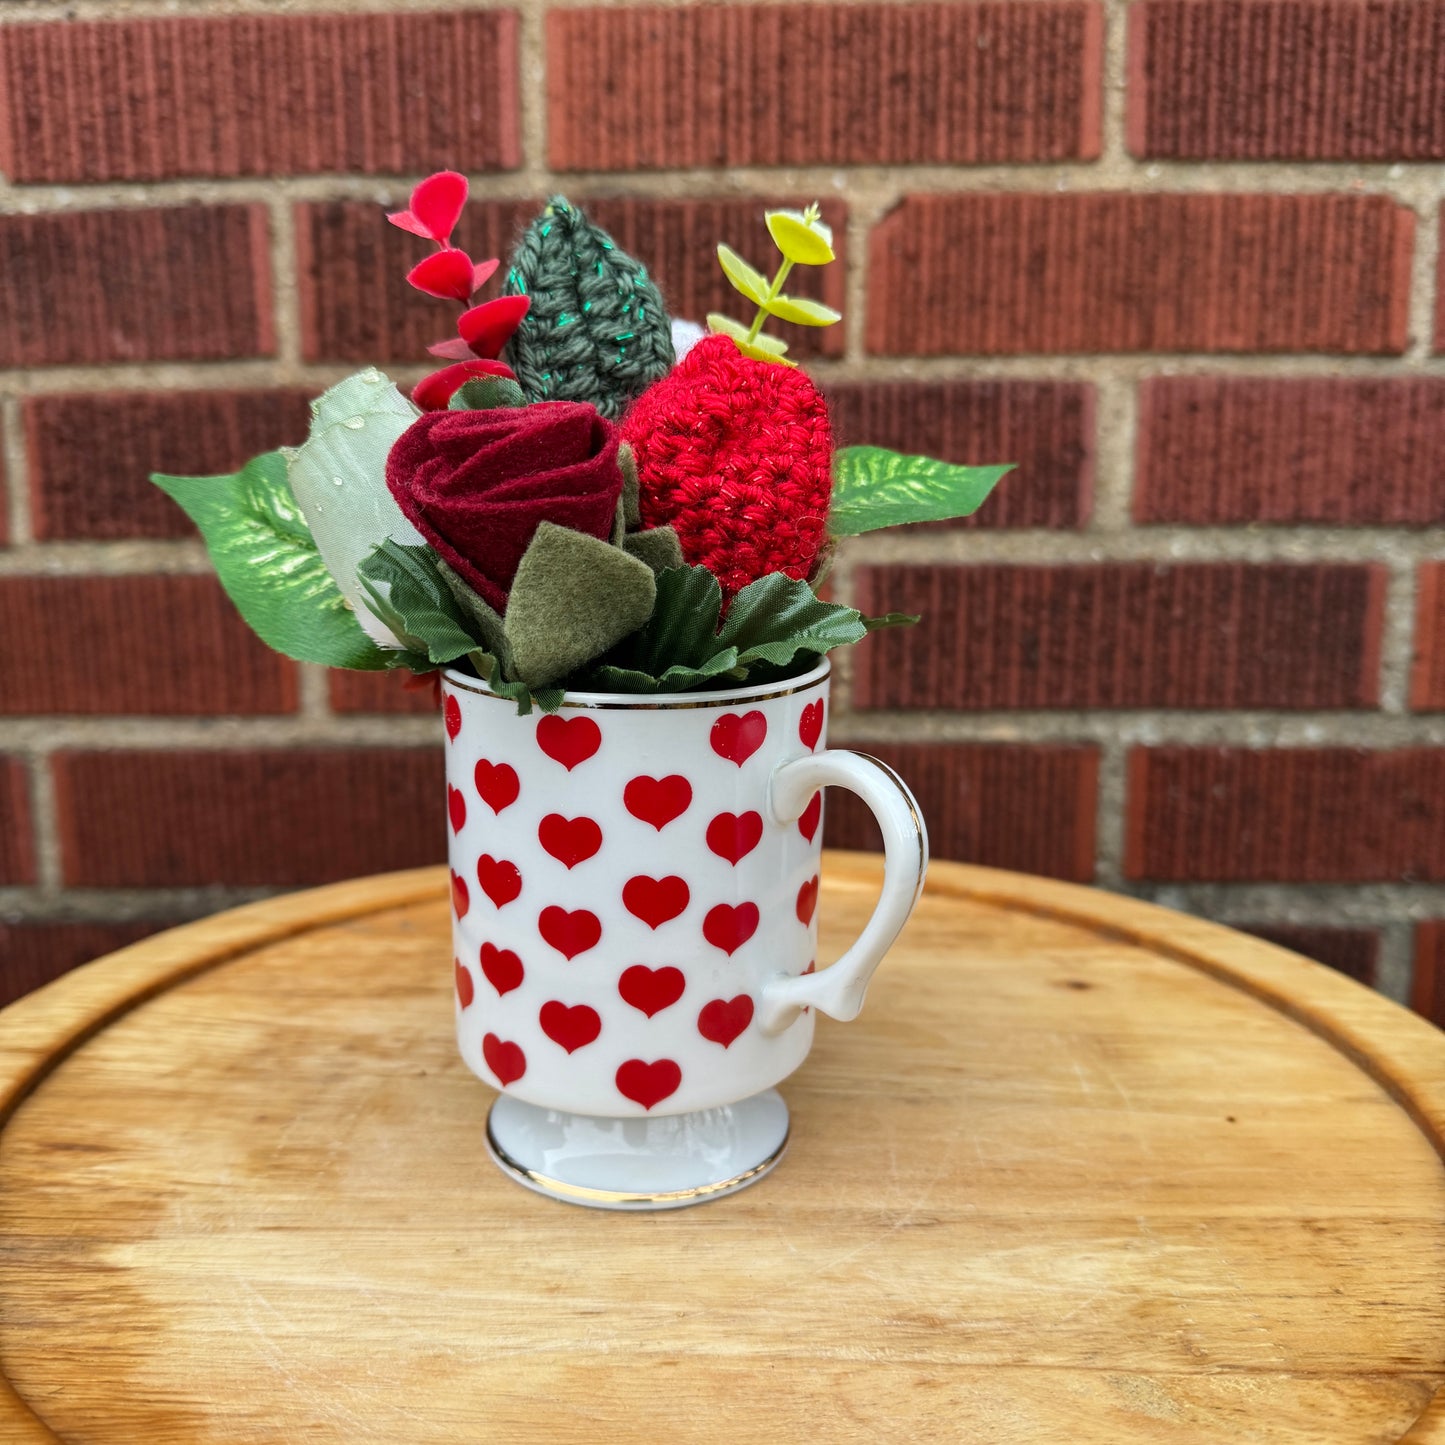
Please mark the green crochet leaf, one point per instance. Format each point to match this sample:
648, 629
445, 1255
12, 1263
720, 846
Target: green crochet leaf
775, 618
573, 598
597, 330
270, 566
483, 393
874, 487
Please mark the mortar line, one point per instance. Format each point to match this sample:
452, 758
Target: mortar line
1397, 637
1115, 429
532, 100
1396, 971
1112, 149
1111, 805
285, 293
15, 466
1423, 268
44, 822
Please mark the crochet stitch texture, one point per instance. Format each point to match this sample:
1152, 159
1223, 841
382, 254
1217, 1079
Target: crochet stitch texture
597, 330
736, 456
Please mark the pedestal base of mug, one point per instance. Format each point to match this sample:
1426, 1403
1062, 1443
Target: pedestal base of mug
667, 1162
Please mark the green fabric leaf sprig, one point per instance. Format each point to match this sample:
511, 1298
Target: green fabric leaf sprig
270, 566
773, 626
874, 487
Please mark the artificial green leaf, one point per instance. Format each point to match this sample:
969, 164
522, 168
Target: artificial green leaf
892, 619
338, 477
802, 311
749, 282
483, 393
573, 598
610, 678
485, 622
490, 671
760, 348
805, 242
682, 630
874, 487
776, 617
404, 587
657, 546
270, 565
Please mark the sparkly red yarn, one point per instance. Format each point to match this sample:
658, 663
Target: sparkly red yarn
736, 456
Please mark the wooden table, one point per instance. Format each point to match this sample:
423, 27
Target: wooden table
1084, 1171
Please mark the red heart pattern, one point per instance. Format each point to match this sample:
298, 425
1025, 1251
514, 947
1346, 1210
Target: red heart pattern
568, 741
808, 821
734, 835
737, 737
497, 784
570, 933
461, 899
574, 1028
569, 840
808, 900
650, 990
655, 900
501, 968
506, 1060
501, 881
728, 927
810, 725
724, 1019
648, 1084
657, 800
466, 990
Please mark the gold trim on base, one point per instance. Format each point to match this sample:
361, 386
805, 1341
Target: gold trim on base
604, 1198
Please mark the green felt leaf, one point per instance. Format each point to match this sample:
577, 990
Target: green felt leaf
483, 393
572, 599
657, 546
874, 487
776, 617
407, 592
631, 503
338, 477
485, 622
270, 565
491, 673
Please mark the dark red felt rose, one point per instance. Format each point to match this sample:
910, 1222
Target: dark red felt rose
476, 484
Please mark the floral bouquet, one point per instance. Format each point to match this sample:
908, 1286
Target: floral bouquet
588, 496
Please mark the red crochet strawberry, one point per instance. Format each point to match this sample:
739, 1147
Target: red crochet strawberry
735, 455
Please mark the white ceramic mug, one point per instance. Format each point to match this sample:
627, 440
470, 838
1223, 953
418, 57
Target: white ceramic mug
635, 887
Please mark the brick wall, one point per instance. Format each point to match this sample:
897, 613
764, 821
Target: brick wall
1178, 258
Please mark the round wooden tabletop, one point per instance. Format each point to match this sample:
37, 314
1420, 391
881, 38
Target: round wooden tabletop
1084, 1170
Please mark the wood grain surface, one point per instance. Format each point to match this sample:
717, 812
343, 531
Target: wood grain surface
1083, 1171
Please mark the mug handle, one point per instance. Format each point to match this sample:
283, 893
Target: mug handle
838, 990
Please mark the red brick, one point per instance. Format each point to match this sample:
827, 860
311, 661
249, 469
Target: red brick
1307, 815
91, 454
869, 85
183, 283
1219, 450
384, 692
17, 842
1427, 993
1010, 274
259, 95
34, 953
1123, 635
356, 305
1352, 951
1045, 427
134, 644
1309, 80
1031, 808
1427, 677
299, 816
